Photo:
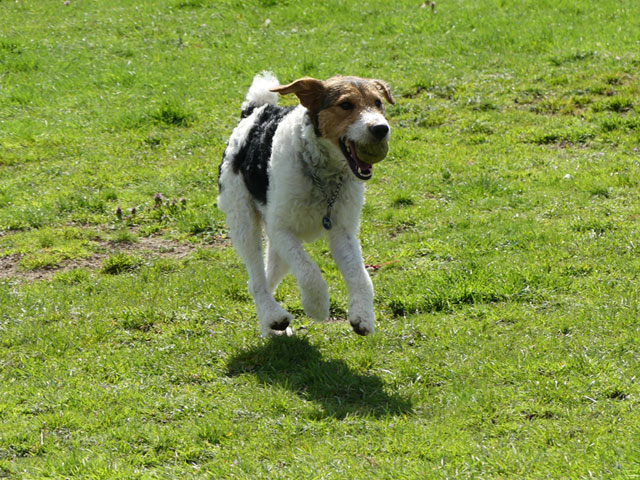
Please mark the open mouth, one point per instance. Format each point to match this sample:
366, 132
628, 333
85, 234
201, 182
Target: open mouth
360, 169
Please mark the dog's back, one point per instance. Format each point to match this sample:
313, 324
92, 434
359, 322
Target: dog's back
249, 154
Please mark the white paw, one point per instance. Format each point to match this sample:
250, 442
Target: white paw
270, 332
362, 321
275, 321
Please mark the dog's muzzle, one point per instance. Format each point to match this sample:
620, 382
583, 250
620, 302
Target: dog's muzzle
362, 156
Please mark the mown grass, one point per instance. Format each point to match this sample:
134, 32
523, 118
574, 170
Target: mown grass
501, 234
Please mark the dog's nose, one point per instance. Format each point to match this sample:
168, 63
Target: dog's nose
379, 131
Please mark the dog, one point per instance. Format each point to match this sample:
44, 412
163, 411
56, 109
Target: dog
300, 171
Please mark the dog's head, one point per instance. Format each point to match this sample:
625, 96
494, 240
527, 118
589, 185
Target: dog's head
349, 112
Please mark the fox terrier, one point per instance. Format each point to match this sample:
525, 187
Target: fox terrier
300, 171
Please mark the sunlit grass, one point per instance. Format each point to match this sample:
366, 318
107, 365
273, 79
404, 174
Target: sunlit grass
501, 235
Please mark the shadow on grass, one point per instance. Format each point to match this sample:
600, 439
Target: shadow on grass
297, 365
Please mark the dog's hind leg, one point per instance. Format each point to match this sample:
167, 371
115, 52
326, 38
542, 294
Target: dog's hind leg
246, 234
277, 268
313, 288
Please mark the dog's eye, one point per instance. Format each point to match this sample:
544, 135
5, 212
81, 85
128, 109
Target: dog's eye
378, 103
346, 106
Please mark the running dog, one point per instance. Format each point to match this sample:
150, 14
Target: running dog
300, 171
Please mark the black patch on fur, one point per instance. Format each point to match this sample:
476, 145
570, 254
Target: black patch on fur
247, 111
313, 117
253, 158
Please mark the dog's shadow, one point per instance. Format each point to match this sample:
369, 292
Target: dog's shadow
294, 363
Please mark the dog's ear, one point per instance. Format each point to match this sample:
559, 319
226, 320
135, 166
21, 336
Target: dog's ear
384, 89
309, 90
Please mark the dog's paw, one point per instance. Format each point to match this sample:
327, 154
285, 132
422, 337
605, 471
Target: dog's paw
280, 328
287, 332
362, 327
315, 300
362, 322
281, 324
276, 322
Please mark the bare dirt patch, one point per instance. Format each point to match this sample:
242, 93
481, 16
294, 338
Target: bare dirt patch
145, 247
8, 266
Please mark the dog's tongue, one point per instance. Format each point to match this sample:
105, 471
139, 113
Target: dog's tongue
363, 166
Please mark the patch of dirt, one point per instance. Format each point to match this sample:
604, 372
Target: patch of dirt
145, 247
8, 266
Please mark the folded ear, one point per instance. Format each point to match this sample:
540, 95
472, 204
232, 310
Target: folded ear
384, 89
309, 90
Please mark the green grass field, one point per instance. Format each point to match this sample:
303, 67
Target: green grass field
502, 232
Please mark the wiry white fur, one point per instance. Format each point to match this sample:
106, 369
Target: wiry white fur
292, 215
359, 130
259, 93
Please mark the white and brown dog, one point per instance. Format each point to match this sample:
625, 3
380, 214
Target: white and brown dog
300, 171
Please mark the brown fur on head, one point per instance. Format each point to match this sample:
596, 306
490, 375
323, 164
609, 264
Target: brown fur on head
347, 111
334, 104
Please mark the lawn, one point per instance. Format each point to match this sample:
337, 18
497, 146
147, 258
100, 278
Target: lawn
502, 234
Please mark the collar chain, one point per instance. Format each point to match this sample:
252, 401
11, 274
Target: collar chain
331, 200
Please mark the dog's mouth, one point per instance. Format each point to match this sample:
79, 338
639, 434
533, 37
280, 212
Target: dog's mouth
360, 168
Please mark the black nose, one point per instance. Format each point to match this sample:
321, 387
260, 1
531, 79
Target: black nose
379, 131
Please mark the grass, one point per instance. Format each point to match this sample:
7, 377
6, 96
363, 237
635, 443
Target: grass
501, 234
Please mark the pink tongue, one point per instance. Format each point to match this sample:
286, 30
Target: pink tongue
362, 165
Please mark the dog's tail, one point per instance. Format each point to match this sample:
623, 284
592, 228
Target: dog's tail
259, 93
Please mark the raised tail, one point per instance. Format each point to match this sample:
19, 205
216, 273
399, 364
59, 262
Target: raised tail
259, 93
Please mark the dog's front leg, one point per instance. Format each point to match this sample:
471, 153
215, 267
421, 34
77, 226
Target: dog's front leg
345, 249
313, 288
